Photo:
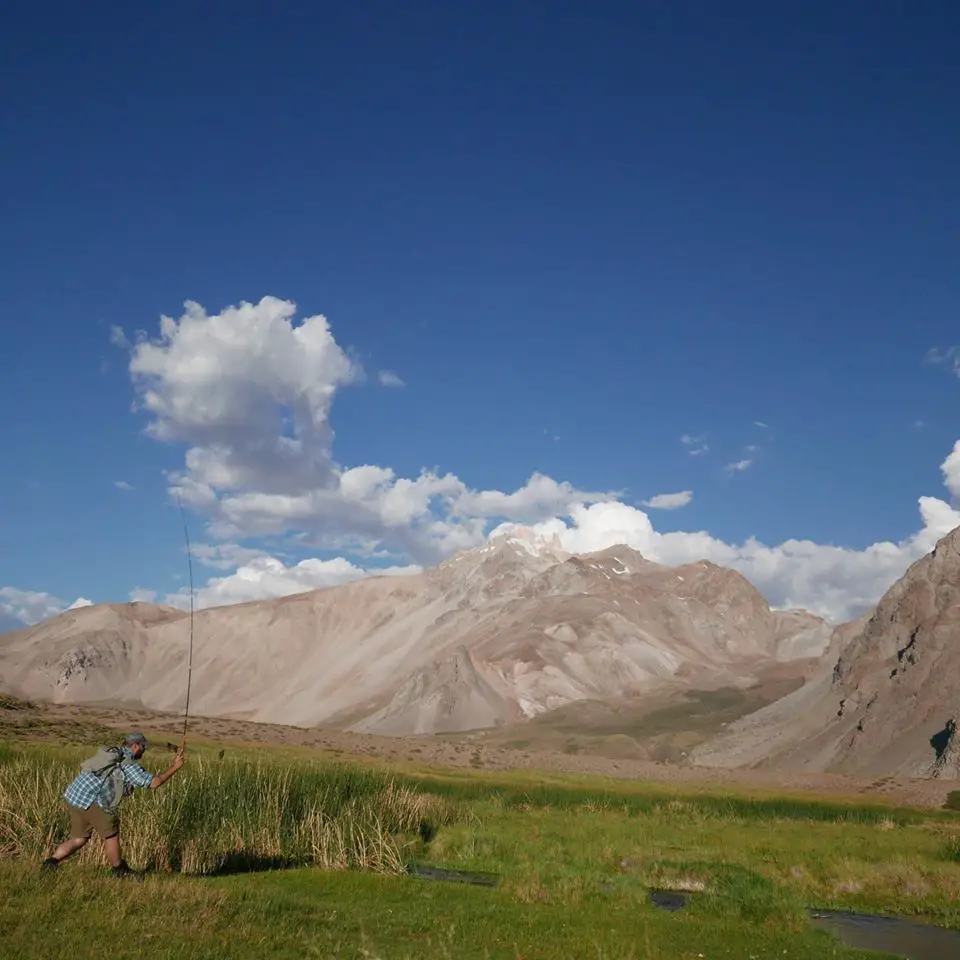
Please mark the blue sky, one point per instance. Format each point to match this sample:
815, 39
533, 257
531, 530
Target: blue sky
576, 233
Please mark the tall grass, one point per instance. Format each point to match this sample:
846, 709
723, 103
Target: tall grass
221, 815
639, 800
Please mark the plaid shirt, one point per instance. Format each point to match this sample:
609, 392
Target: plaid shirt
88, 788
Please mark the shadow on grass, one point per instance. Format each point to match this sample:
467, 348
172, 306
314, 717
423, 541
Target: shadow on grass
475, 878
249, 861
241, 861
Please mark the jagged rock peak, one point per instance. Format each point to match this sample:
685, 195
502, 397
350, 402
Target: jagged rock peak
525, 541
946, 745
528, 540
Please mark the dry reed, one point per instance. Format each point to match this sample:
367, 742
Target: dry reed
218, 816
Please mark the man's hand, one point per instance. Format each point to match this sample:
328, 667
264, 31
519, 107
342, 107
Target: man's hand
161, 778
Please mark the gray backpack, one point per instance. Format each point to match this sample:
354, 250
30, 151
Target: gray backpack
106, 764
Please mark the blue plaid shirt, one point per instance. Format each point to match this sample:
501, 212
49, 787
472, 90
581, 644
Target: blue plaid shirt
87, 788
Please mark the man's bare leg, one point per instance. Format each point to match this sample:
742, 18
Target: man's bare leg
111, 848
69, 847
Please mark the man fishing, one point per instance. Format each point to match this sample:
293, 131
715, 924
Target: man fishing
93, 796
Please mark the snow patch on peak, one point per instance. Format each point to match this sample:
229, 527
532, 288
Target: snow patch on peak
525, 545
513, 543
528, 540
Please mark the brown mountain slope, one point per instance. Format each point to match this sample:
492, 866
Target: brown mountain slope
486, 638
885, 702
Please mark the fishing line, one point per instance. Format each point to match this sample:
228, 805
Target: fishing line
186, 710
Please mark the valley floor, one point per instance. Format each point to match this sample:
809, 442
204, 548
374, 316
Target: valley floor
518, 749
575, 857
310, 913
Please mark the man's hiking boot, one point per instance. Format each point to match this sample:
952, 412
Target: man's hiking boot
123, 870
51, 863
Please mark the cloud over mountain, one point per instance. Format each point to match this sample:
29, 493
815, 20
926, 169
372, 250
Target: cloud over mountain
19, 607
248, 391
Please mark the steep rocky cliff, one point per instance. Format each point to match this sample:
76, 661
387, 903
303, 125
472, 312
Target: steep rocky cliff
886, 698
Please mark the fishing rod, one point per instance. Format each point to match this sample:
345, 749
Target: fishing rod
186, 710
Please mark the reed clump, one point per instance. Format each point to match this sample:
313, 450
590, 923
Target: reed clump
224, 815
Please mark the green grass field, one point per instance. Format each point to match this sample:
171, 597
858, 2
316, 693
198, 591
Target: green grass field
575, 858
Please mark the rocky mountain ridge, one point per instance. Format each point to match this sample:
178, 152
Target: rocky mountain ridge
884, 700
486, 638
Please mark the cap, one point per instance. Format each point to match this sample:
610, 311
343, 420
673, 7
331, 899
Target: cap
136, 737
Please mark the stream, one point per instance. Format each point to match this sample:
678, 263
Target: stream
891, 935
453, 876
904, 938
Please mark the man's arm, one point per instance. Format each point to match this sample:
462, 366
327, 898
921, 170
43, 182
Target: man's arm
161, 778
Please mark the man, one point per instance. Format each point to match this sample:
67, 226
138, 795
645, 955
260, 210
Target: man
95, 793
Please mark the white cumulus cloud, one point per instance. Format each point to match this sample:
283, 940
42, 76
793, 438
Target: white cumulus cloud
223, 556
951, 471
248, 392
31, 606
264, 576
669, 501
539, 497
837, 583
142, 595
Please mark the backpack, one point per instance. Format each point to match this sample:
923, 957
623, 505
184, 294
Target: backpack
106, 765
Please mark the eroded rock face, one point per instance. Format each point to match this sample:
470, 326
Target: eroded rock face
946, 746
885, 699
897, 678
75, 665
488, 637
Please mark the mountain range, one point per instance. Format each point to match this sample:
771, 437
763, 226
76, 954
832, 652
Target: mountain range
516, 632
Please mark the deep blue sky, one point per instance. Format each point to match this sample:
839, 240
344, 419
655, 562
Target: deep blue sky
613, 223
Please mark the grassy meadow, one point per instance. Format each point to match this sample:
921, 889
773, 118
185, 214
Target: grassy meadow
281, 853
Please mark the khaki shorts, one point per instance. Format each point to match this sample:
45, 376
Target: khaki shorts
84, 822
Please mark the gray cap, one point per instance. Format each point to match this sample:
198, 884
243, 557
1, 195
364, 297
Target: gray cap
136, 737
